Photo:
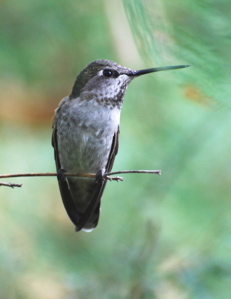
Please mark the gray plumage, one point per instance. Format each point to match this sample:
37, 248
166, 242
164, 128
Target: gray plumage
85, 136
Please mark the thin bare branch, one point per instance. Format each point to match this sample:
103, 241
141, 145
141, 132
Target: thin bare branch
107, 175
135, 171
84, 175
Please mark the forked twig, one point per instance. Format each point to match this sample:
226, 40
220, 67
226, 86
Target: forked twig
10, 185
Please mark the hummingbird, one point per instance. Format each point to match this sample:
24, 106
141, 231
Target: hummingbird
85, 135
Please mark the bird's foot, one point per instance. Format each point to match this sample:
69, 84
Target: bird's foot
100, 176
61, 175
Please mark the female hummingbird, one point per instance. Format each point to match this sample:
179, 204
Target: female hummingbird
86, 134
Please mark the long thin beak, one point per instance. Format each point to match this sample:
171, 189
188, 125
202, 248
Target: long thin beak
156, 69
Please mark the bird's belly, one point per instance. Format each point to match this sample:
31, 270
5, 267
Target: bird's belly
84, 142
84, 149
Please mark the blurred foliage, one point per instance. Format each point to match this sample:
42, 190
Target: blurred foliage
158, 237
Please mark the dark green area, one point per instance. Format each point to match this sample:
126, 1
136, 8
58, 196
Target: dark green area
159, 236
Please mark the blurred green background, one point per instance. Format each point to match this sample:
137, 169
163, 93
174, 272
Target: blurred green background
159, 236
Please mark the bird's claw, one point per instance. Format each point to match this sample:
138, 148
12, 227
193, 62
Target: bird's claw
99, 176
61, 175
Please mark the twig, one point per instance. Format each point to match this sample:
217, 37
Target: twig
10, 185
135, 171
84, 175
106, 176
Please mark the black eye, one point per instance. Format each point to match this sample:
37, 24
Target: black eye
110, 73
107, 73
